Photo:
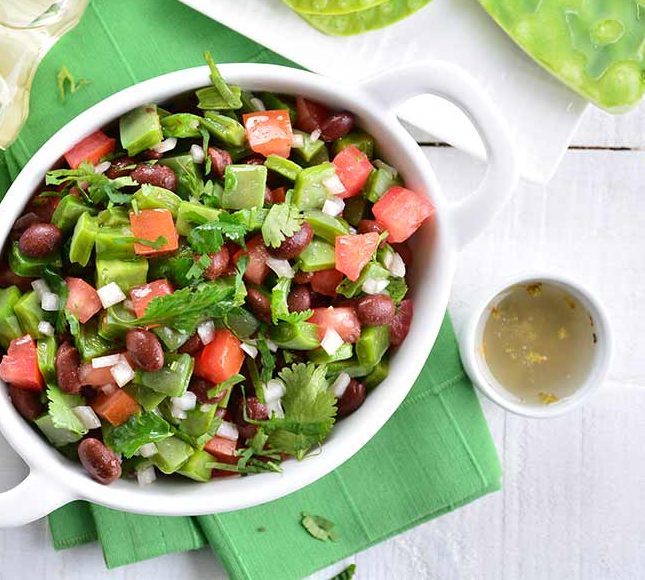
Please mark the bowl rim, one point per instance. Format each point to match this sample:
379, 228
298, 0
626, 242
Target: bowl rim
233, 493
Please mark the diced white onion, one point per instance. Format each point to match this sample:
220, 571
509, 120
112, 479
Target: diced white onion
46, 328
102, 167
228, 430
205, 408
274, 390
374, 286
187, 402
177, 413
146, 475
110, 294
315, 135
334, 185
395, 264
298, 141
331, 342
122, 373
333, 206
197, 153
258, 104
40, 287
352, 230
109, 360
87, 416
206, 331
50, 302
340, 385
147, 450
381, 165
281, 267
166, 145
249, 349
273, 347
108, 389
275, 409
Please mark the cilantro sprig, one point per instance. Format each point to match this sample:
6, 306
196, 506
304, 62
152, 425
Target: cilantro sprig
279, 306
96, 187
318, 527
282, 221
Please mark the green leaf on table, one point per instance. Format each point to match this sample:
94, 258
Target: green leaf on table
346, 574
318, 527
65, 81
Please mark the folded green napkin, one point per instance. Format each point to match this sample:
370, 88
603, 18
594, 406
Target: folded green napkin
434, 455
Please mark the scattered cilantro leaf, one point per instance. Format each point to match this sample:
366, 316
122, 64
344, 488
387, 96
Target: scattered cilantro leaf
198, 267
240, 287
279, 306
318, 527
373, 270
252, 218
346, 574
65, 79
138, 430
58, 286
252, 466
157, 244
282, 221
186, 308
206, 136
72, 321
208, 238
96, 187
60, 410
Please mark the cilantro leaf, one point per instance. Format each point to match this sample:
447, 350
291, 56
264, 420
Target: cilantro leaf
373, 270
227, 384
60, 410
267, 358
186, 308
397, 289
96, 186
233, 101
64, 79
138, 430
198, 267
318, 527
346, 574
309, 410
282, 221
279, 306
208, 238
240, 287
207, 158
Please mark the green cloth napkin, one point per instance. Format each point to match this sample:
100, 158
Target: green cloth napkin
434, 454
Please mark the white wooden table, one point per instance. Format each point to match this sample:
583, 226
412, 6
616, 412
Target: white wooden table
573, 501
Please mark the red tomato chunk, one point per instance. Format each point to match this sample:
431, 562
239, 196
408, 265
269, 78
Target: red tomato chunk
353, 168
90, 149
150, 225
220, 359
342, 319
401, 212
116, 408
269, 132
142, 295
353, 252
19, 367
82, 299
222, 449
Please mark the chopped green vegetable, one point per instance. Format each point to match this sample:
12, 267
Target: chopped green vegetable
318, 527
346, 574
65, 80
138, 430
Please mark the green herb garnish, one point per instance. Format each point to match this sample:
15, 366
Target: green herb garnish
279, 307
95, 186
65, 79
60, 410
138, 430
282, 221
318, 527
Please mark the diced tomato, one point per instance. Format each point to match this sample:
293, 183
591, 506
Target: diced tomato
88, 375
310, 115
326, 281
116, 408
222, 449
278, 195
257, 269
353, 252
269, 132
401, 212
217, 473
151, 224
353, 168
90, 149
82, 299
400, 326
220, 359
342, 319
19, 367
142, 295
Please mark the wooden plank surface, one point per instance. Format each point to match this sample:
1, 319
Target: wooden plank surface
573, 503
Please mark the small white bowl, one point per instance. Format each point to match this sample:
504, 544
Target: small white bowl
471, 340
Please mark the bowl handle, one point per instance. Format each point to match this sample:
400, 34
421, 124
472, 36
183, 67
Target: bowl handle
33, 498
445, 80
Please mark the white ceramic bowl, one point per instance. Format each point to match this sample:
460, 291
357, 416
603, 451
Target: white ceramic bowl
54, 480
470, 345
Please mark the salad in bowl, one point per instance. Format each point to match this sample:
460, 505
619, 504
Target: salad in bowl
203, 288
